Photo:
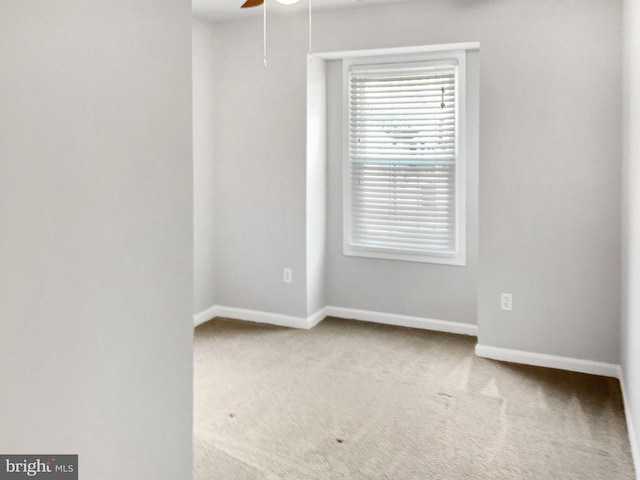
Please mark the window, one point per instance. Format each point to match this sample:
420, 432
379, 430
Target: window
404, 163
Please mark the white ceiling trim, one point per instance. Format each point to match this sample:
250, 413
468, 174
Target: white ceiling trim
380, 52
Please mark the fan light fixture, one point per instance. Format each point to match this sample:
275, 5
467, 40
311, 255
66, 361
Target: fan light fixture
257, 3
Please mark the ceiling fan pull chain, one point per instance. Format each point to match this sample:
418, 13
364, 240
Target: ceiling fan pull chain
264, 32
310, 25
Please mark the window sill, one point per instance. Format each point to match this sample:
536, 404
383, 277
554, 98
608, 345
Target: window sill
457, 260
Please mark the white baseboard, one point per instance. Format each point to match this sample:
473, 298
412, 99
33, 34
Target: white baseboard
633, 438
402, 320
346, 313
550, 361
259, 317
317, 317
205, 315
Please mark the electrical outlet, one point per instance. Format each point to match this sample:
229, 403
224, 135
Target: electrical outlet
506, 301
287, 275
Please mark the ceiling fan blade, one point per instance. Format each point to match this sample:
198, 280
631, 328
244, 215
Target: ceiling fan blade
252, 3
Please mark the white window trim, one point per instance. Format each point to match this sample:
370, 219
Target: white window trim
459, 258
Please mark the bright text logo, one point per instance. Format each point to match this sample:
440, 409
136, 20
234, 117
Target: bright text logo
49, 467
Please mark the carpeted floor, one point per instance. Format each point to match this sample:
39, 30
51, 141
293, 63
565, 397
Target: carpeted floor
353, 400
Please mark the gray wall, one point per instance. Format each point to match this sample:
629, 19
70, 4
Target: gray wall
260, 152
631, 217
550, 177
204, 134
441, 292
96, 234
549, 162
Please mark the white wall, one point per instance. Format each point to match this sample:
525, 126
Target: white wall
204, 107
631, 220
549, 160
316, 247
441, 292
96, 234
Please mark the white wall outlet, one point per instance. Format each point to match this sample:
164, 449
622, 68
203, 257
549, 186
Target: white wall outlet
287, 275
506, 301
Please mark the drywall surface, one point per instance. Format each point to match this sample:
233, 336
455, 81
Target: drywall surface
260, 153
441, 292
549, 170
631, 218
316, 245
96, 235
204, 107
550, 178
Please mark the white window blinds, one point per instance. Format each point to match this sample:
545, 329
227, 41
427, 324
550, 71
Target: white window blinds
402, 157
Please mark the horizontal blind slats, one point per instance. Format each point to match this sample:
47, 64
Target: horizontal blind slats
402, 149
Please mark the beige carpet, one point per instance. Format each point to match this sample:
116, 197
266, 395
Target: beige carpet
353, 400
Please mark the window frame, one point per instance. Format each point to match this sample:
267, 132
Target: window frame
459, 256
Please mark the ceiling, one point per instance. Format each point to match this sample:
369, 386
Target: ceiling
222, 10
